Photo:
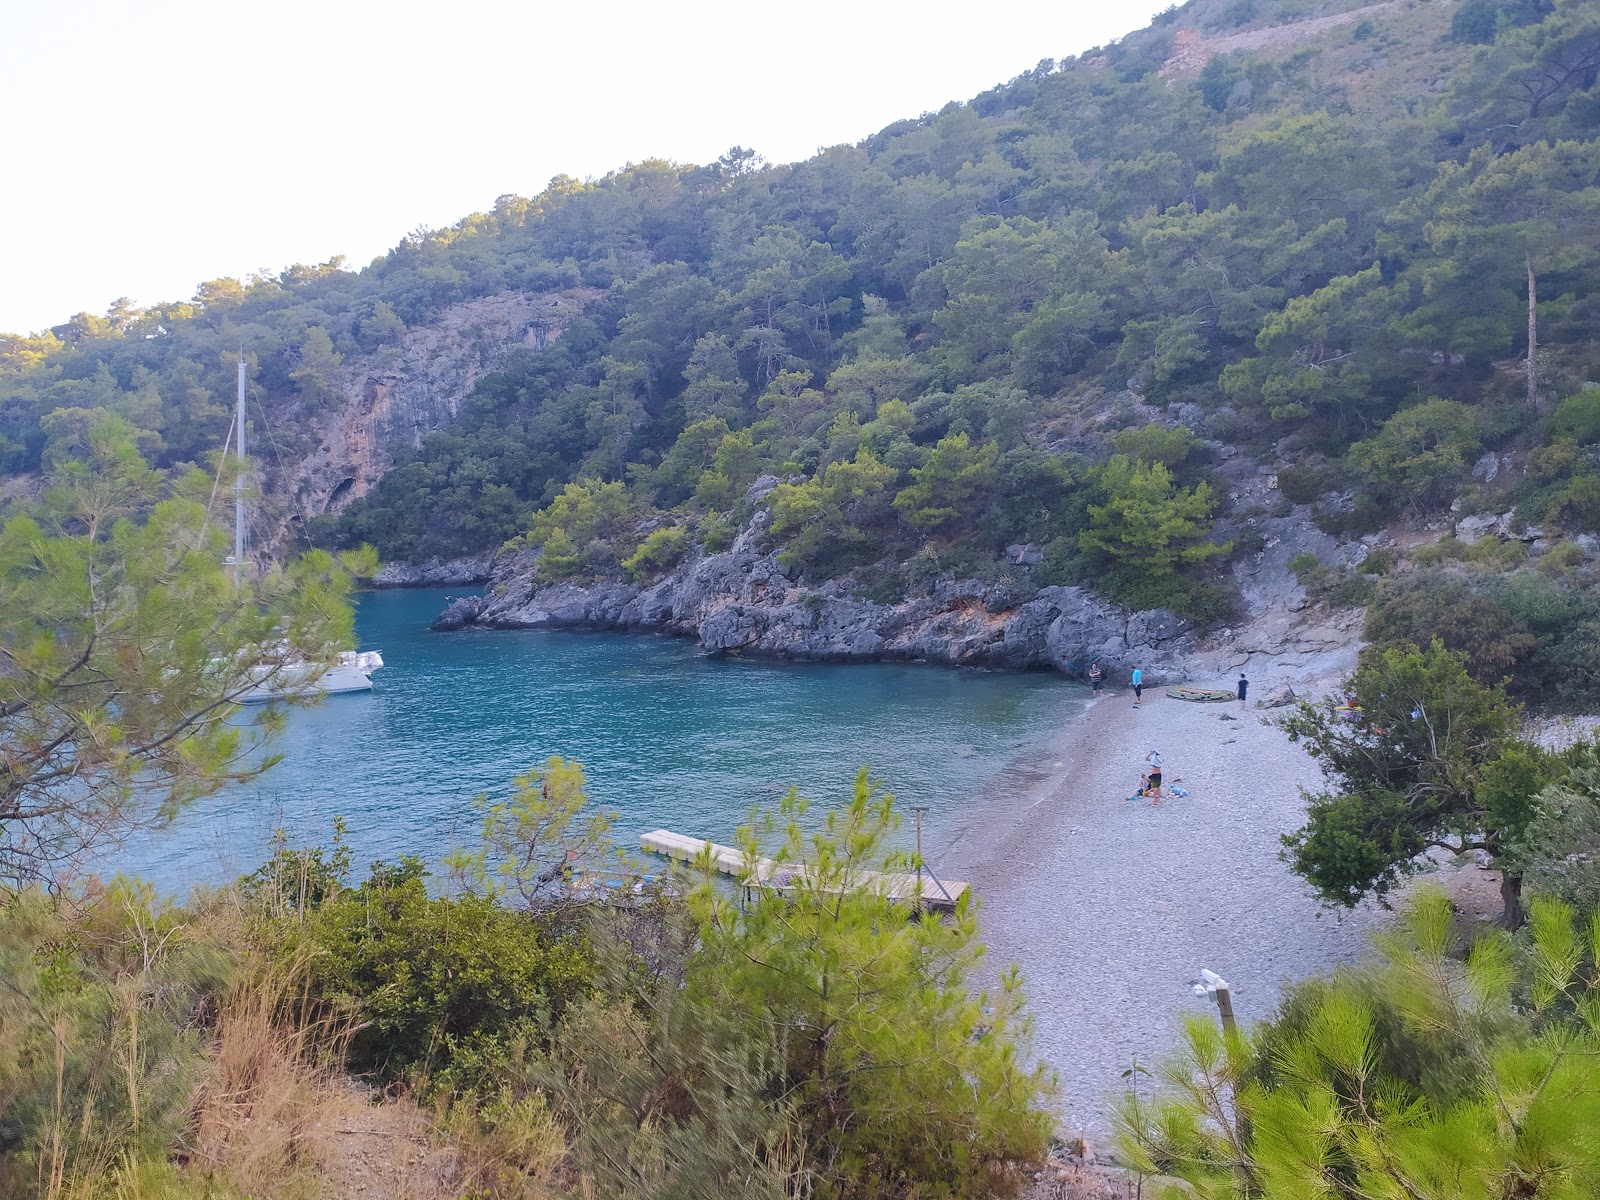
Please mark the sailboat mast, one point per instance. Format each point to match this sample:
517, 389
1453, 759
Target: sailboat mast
238, 486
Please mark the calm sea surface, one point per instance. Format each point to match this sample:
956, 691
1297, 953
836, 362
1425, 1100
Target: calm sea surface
668, 735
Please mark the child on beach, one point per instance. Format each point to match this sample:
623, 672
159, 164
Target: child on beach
1244, 687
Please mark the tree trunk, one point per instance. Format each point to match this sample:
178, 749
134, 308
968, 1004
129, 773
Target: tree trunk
1511, 900
1533, 338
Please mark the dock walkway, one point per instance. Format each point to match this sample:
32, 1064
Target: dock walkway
729, 860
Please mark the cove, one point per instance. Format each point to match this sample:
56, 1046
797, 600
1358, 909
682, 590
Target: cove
668, 735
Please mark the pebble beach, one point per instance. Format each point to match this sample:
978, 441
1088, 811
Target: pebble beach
1112, 906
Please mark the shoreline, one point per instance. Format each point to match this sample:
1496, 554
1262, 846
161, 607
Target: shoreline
1112, 907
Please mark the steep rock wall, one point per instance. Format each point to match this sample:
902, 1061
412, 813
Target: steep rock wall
392, 399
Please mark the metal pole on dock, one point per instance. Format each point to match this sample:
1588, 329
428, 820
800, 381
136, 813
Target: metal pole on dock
919, 809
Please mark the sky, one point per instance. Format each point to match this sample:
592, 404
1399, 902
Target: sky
157, 144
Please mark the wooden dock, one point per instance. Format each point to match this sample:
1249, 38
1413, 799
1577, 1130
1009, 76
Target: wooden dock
729, 860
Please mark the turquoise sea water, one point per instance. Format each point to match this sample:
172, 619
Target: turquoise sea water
669, 737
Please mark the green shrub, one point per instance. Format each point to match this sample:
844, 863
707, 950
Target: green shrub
296, 879
1353, 591
1170, 446
1430, 605
1365, 515
104, 1005
663, 549
1204, 602
1577, 504
1560, 558
885, 583
717, 532
1324, 585
1410, 1058
1302, 485
1378, 562
1248, 539
558, 558
1561, 848
1480, 21
1578, 416
1489, 553
1309, 571
1148, 523
436, 982
889, 1056
1062, 565
1420, 455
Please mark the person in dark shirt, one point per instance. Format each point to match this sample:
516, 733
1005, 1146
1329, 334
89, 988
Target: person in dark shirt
1244, 687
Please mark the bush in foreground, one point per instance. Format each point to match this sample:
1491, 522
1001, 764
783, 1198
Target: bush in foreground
1420, 1075
567, 1039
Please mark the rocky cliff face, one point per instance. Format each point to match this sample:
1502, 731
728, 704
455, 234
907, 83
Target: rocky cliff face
1278, 631
437, 572
742, 601
391, 400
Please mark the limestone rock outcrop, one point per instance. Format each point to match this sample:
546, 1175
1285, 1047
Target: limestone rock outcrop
742, 601
437, 572
392, 399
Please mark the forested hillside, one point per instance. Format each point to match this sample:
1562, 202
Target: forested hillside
1308, 229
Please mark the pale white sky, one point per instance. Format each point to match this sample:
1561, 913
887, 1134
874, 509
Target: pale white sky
154, 144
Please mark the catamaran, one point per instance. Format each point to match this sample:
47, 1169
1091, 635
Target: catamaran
281, 671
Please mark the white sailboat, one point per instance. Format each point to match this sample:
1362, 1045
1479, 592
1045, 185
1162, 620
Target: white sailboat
281, 672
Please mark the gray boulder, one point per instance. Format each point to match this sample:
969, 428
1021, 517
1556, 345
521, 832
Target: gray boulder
1279, 697
458, 614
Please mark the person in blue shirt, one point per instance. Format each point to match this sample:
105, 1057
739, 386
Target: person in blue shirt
1138, 686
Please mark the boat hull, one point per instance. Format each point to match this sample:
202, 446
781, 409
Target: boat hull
352, 673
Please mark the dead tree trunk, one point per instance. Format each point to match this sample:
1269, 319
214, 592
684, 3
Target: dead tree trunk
1533, 339
1511, 915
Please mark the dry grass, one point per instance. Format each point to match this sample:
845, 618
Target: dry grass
511, 1147
276, 1119
1072, 1179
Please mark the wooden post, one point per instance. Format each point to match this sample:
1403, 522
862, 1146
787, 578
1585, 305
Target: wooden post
1225, 1009
1211, 982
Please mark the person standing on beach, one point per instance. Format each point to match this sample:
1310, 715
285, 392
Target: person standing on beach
1138, 686
1244, 686
1095, 676
1153, 780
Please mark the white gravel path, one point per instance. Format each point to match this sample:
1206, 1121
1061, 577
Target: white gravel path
1112, 907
